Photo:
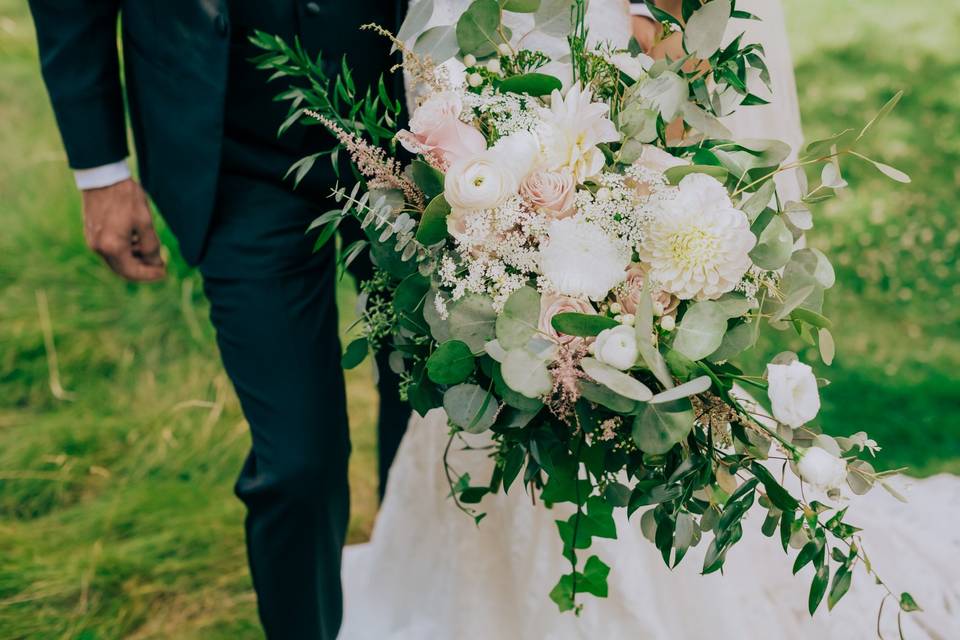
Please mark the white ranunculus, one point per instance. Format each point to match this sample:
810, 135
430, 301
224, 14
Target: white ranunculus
617, 347
479, 182
519, 151
822, 469
570, 130
793, 393
581, 260
698, 244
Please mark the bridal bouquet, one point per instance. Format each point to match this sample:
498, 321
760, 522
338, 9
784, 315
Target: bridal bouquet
572, 262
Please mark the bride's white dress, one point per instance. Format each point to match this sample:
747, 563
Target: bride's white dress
430, 573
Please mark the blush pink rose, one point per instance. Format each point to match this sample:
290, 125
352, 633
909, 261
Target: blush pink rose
551, 191
632, 289
551, 305
436, 130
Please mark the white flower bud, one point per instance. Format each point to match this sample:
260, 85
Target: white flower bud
603, 194
493, 66
474, 80
505, 49
628, 319
821, 469
617, 347
469, 60
669, 323
615, 307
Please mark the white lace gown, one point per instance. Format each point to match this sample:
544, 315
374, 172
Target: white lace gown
429, 573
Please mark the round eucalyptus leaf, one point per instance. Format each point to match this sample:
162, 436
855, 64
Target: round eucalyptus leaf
472, 319
477, 28
416, 21
452, 362
520, 6
666, 93
599, 394
553, 18
526, 374
660, 426
685, 390
439, 43
433, 222
439, 327
519, 319
616, 380
701, 330
470, 407
736, 341
774, 245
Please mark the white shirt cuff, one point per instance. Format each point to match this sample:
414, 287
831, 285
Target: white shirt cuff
102, 176
640, 9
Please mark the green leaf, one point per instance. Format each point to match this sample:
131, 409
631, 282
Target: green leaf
828, 349
520, 6
806, 555
841, 584
470, 407
818, 588
534, 84
660, 426
526, 374
433, 224
883, 113
774, 245
675, 174
355, 353
701, 330
599, 519
822, 148
615, 380
519, 320
509, 396
885, 169
472, 320
685, 390
736, 341
477, 28
439, 43
779, 496
908, 604
451, 363
599, 394
582, 324
562, 593
666, 93
759, 199
704, 31
553, 18
408, 300
512, 464
595, 574
416, 21
427, 179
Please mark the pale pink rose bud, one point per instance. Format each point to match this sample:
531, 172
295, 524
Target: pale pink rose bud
551, 305
436, 129
632, 289
550, 191
655, 159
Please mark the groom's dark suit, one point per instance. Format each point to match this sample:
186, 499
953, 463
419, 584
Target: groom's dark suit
204, 127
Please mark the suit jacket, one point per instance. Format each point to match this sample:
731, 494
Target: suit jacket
176, 56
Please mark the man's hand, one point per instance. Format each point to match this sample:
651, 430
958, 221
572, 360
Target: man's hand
645, 32
117, 225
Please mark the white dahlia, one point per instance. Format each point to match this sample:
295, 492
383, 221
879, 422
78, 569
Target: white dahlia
570, 130
581, 260
698, 244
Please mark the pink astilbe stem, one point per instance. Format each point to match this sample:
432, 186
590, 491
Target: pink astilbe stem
373, 162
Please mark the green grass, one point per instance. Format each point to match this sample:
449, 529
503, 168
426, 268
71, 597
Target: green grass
116, 512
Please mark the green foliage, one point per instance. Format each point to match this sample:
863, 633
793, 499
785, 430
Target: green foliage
534, 84
581, 324
451, 363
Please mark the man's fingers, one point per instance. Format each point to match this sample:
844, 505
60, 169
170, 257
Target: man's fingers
147, 245
129, 266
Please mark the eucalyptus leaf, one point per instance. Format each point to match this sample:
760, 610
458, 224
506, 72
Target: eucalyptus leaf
660, 426
477, 28
439, 327
526, 374
416, 21
433, 223
355, 353
599, 394
704, 122
774, 245
470, 407
685, 390
735, 341
828, 349
427, 179
757, 201
518, 321
451, 363
667, 93
472, 320
616, 380
553, 18
675, 174
701, 330
438, 43
520, 6
704, 31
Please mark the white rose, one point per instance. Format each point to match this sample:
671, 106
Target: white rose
793, 393
479, 182
617, 347
581, 260
822, 469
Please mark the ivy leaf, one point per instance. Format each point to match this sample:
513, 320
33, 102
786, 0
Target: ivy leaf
908, 604
451, 363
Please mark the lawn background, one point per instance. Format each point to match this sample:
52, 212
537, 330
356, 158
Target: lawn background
120, 436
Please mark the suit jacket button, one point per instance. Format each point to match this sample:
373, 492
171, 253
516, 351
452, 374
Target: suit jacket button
221, 24
312, 8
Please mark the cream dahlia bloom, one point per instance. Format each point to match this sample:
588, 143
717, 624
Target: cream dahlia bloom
698, 244
570, 130
581, 260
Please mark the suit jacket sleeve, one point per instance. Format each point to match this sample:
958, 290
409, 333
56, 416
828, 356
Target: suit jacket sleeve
77, 40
